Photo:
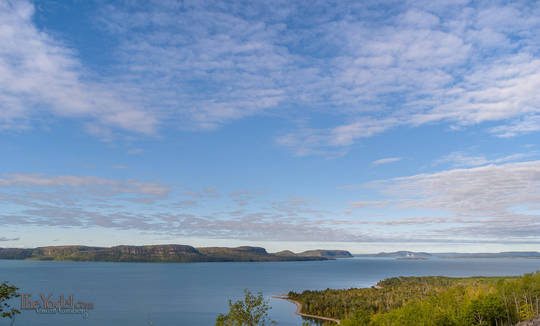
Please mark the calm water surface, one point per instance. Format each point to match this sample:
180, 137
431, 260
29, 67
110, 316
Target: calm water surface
194, 294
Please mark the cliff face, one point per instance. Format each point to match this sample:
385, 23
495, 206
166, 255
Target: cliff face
15, 253
235, 254
154, 253
158, 250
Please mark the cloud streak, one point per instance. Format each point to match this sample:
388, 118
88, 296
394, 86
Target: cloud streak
489, 202
4, 239
464, 159
489, 191
84, 186
157, 208
387, 160
486, 204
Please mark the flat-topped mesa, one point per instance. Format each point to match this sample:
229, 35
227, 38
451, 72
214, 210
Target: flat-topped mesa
156, 253
252, 250
329, 254
153, 253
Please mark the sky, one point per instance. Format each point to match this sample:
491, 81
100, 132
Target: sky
366, 125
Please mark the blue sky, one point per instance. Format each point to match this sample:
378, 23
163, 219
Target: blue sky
367, 126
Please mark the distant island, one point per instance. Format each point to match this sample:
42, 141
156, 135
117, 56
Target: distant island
411, 255
166, 253
505, 254
401, 255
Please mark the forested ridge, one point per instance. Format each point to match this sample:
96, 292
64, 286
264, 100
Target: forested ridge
434, 300
165, 253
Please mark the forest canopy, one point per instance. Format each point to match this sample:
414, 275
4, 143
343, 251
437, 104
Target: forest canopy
435, 300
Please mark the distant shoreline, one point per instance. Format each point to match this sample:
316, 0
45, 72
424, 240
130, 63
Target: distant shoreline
172, 253
411, 255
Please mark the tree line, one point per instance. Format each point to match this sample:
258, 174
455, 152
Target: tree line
437, 301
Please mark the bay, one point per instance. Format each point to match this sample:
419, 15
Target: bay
195, 293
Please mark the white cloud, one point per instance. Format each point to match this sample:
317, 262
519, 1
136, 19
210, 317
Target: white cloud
2, 239
522, 125
493, 202
207, 64
79, 185
84, 202
386, 160
465, 159
324, 141
159, 209
360, 204
488, 191
454, 67
40, 76
502, 90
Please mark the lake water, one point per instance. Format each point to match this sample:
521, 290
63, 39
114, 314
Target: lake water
193, 294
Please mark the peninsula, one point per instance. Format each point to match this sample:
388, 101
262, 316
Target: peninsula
165, 253
428, 301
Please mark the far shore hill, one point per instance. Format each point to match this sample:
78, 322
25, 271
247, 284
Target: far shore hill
172, 253
424, 255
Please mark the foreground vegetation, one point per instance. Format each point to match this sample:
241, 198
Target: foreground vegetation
437, 301
7, 292
250, 311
